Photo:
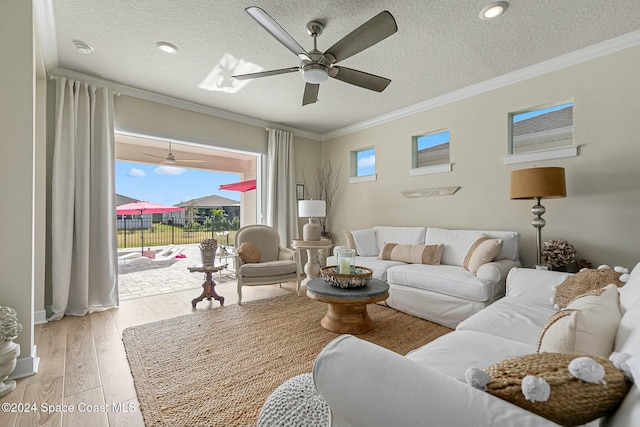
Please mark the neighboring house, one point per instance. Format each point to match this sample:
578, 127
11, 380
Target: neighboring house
550, 130
203, 206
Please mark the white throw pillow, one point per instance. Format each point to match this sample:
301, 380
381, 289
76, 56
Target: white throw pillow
588, 325
366, 243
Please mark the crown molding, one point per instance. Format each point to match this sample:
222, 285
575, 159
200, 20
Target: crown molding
586, 54
122, 89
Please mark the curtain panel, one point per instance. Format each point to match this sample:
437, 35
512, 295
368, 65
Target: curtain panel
84, 241
281, 211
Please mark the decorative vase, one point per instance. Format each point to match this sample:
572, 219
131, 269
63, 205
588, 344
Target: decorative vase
9, 352
208, 256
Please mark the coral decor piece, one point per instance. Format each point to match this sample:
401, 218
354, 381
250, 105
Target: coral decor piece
558, 253
9, 325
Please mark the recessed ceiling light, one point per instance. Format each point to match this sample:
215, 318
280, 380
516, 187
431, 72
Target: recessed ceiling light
167, 47
82, 46
494, 10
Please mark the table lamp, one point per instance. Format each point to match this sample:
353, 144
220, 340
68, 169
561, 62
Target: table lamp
311, 209
536, 183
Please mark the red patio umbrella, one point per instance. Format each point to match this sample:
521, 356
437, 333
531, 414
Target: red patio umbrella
240, 186
140, 208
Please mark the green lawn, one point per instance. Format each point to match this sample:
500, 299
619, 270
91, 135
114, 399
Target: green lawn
163, 234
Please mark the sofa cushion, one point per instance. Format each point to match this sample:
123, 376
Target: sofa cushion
365, 241
456, 243
444, 279
453, 353
415, 254
268, 268
512, 318
588, 325
484, 250
402, 235
630, 292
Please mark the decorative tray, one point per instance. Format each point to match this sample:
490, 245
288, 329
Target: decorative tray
359, 277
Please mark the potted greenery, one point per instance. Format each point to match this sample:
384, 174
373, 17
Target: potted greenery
208, 248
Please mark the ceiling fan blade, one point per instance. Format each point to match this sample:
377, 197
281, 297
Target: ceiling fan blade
153, 155
266, 73
360, 78
310, 94
273, 28
189, 161
371, 32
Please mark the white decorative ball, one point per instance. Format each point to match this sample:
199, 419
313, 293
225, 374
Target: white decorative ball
587, 369
535, 389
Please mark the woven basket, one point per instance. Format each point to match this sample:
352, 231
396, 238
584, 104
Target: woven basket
572, 401
331, 275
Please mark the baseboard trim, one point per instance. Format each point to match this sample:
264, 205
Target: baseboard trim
40, 317
26, 366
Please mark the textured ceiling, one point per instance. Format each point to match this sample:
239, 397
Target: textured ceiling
441, 46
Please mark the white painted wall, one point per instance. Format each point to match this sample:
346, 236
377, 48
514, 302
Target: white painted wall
17, 186
600, 214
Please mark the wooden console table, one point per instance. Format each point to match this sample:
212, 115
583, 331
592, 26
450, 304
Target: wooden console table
209, 285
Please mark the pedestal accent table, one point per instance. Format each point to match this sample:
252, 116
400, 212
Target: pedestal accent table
209, 285
312, 267
347, 307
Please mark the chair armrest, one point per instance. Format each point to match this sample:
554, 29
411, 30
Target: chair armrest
496, 271
286, 253
367, 385
536, 285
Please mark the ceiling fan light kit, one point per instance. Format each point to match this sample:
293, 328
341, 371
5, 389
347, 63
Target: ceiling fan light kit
316, 67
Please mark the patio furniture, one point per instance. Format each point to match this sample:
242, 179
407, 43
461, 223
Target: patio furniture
276, 264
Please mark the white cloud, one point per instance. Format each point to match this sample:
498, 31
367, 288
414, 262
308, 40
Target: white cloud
168, 170
367, 161
137, 172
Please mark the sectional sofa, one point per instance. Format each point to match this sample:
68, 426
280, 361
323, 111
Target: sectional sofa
458, 284
367, 385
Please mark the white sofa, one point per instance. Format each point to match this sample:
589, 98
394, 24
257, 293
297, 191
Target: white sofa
446, 293
367, 385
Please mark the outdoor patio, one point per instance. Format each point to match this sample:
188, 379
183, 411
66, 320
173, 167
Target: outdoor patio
138, 278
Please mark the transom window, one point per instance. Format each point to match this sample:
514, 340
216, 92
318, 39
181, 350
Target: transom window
541, 128
431, 149
363, 165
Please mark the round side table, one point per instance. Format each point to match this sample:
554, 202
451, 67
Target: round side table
312, 267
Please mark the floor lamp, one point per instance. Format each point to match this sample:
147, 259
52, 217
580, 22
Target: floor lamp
538, 183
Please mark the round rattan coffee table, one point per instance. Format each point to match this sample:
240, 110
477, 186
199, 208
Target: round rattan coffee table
347, 308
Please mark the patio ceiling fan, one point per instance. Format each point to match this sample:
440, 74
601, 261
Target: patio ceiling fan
170, 158
316, 67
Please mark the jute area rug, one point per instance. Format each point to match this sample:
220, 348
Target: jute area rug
216, 368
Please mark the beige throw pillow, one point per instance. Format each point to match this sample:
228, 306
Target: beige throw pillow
484, 250
249, 253
588, 325
413, 254
351, 243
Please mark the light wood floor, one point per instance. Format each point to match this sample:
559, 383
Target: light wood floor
83, 364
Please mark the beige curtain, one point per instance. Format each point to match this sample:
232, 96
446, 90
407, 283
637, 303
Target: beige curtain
281, 209
84, 264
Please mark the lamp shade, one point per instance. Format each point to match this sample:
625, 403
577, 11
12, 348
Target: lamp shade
312, 208
538, 182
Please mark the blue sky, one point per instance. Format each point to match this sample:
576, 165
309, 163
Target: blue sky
170, 185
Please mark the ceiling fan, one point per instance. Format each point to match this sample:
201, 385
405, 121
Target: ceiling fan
316, 67
170, 159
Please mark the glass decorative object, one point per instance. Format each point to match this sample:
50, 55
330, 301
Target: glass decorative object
346, 261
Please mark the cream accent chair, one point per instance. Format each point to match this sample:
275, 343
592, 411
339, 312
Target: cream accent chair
277, 264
